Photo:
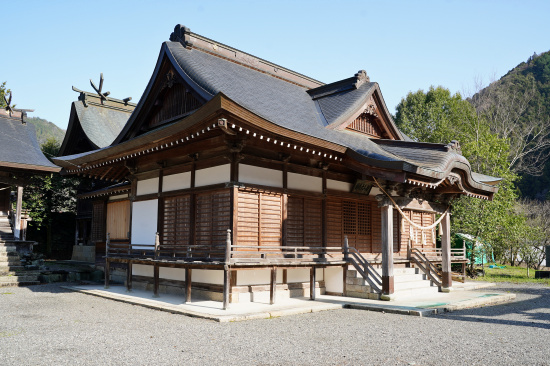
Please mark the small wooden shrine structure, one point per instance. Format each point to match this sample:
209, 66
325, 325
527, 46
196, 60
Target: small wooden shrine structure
245, 175
20, 158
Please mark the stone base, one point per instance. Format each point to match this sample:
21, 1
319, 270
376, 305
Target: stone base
387, 297
83, 253
446, 289
239, 294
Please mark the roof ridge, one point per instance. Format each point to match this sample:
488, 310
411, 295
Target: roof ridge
192, 40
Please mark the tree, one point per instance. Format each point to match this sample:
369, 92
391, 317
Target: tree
435, 116
538, 219
50, 198
3, 92
515, 112
439, 117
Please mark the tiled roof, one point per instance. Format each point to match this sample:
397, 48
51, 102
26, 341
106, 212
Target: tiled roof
19, 147
101, 125
279, 101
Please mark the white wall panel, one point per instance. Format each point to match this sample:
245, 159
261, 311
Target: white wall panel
305, 182
214, 277
334, 279
214, 175
118, 197
339, 186
177, 274
144, 221
261, 176
147, 186
176, 181
142, 270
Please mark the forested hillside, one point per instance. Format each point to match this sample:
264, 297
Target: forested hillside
519, 104
46, 130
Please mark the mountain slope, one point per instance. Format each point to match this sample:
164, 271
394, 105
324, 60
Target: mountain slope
46, 130
518, 105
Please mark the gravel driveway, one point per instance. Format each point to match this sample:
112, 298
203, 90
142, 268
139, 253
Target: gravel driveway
47, 325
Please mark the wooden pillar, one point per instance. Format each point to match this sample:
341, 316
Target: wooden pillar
226, 271
387, 252
273, 286
344, 278
107, 272
18, 207
312, 283
188, 282
129, 277
156, 280
446, 280
107, 264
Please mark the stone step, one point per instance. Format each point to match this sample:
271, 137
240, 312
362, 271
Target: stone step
7, 249
9, 256
19, 284
396, 271
10, 268
31, 276
398, 286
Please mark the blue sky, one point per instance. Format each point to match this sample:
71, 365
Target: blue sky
50, 46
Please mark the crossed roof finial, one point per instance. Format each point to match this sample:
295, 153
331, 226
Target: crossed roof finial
10, 108
103, 96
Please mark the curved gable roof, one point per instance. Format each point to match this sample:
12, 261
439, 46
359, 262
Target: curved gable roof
19, 147
98, 123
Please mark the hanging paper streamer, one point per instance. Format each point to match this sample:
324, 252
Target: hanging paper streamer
433, 236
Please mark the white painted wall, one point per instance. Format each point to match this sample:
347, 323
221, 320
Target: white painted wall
305, 182
177, 274
118, 197
144, 222
334, 279
262, 176
176, 181
213, 175
338, 185
147, 186
257, 277
142, 270
207, 276
302, 275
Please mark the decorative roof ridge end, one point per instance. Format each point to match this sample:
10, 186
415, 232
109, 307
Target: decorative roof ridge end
191, 40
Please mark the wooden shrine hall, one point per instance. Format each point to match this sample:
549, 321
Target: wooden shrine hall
20, 159
250, 181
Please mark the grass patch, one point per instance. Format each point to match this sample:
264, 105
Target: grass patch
511, 274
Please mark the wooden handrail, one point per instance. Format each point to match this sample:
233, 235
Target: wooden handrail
431, 271
363, 267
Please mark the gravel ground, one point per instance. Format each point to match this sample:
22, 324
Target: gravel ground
47, 325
